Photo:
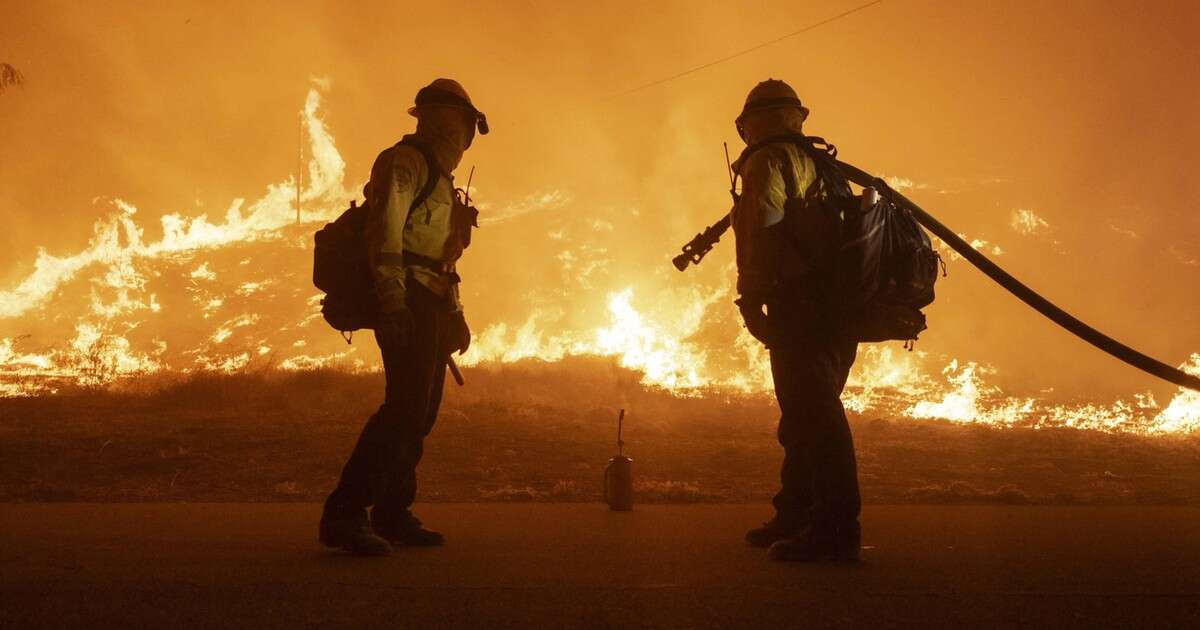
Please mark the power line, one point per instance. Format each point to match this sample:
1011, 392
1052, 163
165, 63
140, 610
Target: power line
749, 50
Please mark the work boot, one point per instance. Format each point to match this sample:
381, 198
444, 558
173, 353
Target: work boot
353, 535
773, 530
407, 531
820, 544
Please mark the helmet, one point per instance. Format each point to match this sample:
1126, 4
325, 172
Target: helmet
448, 93
770, 94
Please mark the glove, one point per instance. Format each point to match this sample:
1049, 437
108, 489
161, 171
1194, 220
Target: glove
395, 328
458, 334
394, 324
756, 320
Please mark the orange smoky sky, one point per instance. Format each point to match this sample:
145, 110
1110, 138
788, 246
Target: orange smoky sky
1064, 135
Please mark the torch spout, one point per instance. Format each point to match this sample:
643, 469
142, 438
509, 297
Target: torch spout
620, 426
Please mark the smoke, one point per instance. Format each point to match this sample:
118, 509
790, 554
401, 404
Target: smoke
177, 111
1026, 222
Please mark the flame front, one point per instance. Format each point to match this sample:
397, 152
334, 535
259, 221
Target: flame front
233, 295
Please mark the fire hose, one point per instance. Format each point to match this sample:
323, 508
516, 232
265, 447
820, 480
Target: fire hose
695, 250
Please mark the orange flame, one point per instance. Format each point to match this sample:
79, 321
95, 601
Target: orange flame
233, 294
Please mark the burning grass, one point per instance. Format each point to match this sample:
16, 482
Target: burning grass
531, 431
141, 304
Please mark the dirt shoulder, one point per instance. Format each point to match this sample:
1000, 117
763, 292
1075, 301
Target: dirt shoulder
525, 434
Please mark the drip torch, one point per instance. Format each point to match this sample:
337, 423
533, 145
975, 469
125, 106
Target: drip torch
618, 477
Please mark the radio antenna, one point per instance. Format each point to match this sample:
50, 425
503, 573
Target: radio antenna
467, 190
732, 177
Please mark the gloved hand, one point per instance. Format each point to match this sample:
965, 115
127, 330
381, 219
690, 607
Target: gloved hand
458, 334
756, 320
394, 323
395, 327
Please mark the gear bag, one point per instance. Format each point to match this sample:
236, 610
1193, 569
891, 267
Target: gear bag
885, 270
883, 267
341, 267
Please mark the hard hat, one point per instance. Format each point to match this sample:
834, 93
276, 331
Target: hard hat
448, 93
771, 94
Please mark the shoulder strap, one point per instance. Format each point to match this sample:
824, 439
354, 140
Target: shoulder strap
433, 170
789, 179
789, 175
830, 181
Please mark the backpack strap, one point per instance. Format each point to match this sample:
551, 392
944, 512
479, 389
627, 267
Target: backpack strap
827, 189
829, 179
433, 170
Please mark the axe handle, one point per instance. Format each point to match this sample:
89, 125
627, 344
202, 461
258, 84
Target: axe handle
458, 377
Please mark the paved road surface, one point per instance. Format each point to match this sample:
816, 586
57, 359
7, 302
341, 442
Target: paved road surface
554, 565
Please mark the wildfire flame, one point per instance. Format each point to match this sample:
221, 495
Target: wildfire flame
231, 295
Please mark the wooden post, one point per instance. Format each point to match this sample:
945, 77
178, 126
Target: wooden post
299, 162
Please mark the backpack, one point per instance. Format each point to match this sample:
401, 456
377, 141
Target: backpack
879, 264
886, 268
341, 267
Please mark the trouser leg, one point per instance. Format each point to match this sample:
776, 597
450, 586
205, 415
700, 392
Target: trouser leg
421, 391
794, 501
381, 470
360, 474
402, 491
819, 474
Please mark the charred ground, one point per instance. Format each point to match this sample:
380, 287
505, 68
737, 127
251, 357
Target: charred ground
536, 432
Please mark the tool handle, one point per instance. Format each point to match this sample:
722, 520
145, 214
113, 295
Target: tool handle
620, 426
703, 243
458, 377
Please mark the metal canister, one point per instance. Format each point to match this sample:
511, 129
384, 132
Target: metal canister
618, 476
618, 484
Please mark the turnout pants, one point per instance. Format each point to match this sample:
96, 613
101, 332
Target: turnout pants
819, 477
382, 469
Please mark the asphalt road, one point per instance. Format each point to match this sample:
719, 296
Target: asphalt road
557, 565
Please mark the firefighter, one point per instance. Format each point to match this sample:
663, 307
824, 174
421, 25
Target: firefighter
786, 231
417, 228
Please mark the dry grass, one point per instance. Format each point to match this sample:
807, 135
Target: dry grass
533, 432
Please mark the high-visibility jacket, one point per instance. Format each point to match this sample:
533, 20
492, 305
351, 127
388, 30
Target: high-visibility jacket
764, 256
422, 244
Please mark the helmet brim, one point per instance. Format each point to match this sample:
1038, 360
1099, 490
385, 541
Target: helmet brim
416, 109
481, 123
762, 108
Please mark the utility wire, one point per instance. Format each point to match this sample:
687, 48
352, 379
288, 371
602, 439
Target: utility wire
747, 51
